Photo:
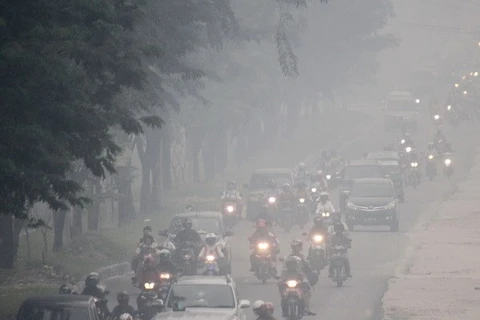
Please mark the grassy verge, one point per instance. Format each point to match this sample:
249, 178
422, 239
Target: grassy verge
96, 250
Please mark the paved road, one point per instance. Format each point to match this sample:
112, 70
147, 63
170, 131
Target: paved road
374, 253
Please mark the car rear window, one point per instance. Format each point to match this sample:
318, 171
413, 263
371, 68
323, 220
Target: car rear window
260, 180
359, 172
374, 190
31, 312
202, 296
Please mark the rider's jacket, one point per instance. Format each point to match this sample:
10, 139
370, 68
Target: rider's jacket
150, 249
189, 235
305, 267
96, 291
301, 175
119, 310
287, 197
340, 239
303, 193
214, 250
147, 275
233, 195
325, 207
167, 267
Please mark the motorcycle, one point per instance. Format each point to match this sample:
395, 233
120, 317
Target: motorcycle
337, 261
317, 253
230, 214
448, 169
315, 195
292, 296
452, 115
210, 266
148, 301
187, 259
302, 211
431, 169
413, 177
287, 218
166, 280
263, 254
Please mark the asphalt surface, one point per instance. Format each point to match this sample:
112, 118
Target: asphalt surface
375, 251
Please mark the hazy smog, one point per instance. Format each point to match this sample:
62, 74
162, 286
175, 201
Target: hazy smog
239, 159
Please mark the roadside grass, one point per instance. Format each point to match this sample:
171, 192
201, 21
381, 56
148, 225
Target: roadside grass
95, 250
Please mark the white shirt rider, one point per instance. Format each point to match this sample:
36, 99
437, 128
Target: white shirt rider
232, 194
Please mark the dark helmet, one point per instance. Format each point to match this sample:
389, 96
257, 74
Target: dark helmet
147, 229
92, 280
164, 255
187, 224
123, 297
66, 289
259, 308
149, 237
324, 197
301, 185
211, 239
318, 221
286, 187
338, 227
297, 245
292, 263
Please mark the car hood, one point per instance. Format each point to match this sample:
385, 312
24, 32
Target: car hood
371, 201
198, 314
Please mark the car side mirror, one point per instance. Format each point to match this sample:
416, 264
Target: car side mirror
229, 233
245, 186
244, 304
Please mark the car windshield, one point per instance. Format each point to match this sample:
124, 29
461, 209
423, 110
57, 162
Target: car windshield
377, 190
390, 166
200, 224
359, 172
259, 181
53, 313
202, 296
401, 105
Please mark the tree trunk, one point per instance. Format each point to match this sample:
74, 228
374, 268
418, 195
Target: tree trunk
166, 162
94, 212
77, 225
153, 155
126, 208
58, 226
7, 246
209, 157
222, 151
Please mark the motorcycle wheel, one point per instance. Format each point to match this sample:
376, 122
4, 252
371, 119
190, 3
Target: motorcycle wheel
339, 276
293, 310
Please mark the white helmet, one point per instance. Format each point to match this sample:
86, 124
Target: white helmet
210, 236
125, 316
301, 165
258, 304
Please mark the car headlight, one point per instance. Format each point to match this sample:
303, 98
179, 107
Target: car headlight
390, 206
417, 101
430, 157
408, 149
325, 214
149, 285
317, 238
328, 177
230, 208
448, 162
436, 117
272, 199
210, 258
292, 283
263, 246
302, 200
414, 164
314, 189
165, 276
449, 107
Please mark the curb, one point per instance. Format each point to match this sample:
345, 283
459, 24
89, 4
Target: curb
107, 272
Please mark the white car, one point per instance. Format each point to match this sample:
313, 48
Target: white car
204, 297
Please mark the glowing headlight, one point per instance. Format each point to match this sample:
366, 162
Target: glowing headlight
417, 101
314, 189
149, 285
390, 206
263, 246
317, 238
456, 85
475, 74
449, 107
408, 149
465, 92
210, 258
448, 162
272, 199
325, 214
414, 164
430, 157
328, 177
165, 276
436, 117
230, 208
292, 283
302, 200
402, 141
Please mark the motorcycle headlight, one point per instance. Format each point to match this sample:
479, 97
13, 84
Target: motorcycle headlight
475, 74
272, 199
317, 238
414, 164
210, 258
390, 206
449, 107
430, 157
314, 189
408, 149
302, 200
292, 283
325, 214
417, 101
402, 141
328, 177
263, 246
465, 92
165, 276
448, 162
149, 285
436, 117
230, 208
456, 85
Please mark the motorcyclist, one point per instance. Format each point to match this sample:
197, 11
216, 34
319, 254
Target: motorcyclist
324, 205
231, 192
263, 233
340, 239
187, 234
302, 193
271, 190
287, 196
318, 227
92, 288
211, 248
148, 245
165, 264
263, 310
67, 289
147, 231
123, 299
293, 271
408, 140
147, 272
301, 174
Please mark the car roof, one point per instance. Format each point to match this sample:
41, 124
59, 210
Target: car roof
201, 214
59, 299
273, 171
369, 162
372, 180
383, 155
215, 280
